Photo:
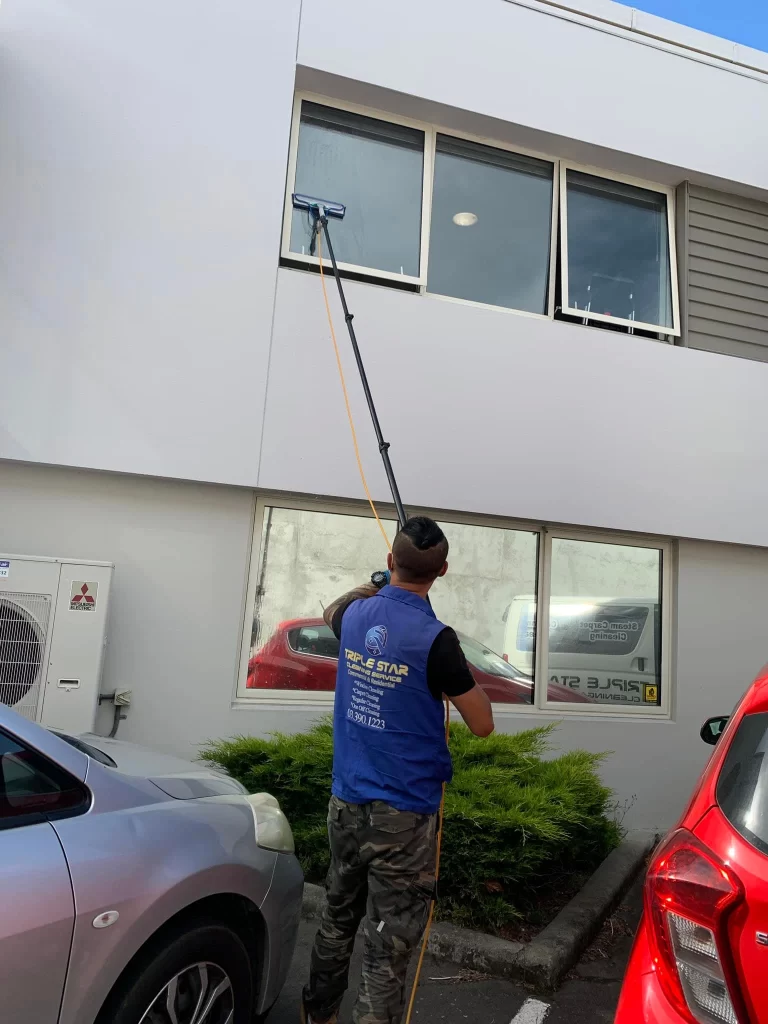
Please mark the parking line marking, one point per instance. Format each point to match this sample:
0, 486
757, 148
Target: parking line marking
531, 1012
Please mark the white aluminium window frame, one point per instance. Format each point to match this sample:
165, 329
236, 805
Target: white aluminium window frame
520, 151
541, 685
669, 194
426, 189
431, 131
244, 698
558, 236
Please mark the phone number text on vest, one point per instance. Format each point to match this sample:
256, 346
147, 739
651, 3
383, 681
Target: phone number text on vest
370, 677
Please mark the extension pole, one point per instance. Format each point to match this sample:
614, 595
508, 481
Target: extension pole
348, 317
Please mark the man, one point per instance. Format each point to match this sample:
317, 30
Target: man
390, 763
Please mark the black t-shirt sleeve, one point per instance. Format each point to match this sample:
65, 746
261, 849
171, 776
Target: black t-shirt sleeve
447, 669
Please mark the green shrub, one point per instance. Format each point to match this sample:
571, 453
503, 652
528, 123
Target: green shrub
518, 827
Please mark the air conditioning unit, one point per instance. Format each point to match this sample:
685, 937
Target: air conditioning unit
53, 614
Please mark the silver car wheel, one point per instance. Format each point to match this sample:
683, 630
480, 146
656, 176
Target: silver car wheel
200, 994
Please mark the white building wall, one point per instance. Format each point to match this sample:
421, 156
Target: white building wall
493, 412
142, 165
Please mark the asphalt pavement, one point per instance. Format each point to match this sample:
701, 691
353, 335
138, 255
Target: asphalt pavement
447, 994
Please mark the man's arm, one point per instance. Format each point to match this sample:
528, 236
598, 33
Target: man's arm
448, 674
334, 613
475, 708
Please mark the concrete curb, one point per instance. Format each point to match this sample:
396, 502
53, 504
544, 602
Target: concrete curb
543, 962
547, 959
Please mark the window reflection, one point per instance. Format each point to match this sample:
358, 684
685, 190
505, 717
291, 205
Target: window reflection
309, 558
618, 250
605, 621
491, 226
376, 169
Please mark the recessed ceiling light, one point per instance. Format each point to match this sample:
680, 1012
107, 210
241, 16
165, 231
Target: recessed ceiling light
465, 220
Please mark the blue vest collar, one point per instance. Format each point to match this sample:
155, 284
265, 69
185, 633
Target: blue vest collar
406, 597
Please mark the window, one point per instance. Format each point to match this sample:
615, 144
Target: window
491, 226
605, 621
376, 169
601, 645
615, 245
32, 788
742, 790
307, 558
447, 215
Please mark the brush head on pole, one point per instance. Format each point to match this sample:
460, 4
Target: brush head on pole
318, 206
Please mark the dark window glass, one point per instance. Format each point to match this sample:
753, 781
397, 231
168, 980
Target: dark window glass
376, 169
491, 226
742, 788
317, 640
618, 250
31, 787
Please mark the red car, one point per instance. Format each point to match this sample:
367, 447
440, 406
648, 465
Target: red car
701, 952
303, 654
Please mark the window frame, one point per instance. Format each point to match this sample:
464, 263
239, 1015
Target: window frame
431, 131
481, 140
670, 194
426, 188
542, 616
558, 243
244, 699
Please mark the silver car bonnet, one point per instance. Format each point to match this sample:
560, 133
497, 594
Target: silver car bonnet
174, 776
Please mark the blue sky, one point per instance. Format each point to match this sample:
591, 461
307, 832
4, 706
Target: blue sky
744, 21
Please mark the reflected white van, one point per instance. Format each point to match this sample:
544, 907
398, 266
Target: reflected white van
608, 648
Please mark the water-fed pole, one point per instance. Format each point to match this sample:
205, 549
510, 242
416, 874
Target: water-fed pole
320, 210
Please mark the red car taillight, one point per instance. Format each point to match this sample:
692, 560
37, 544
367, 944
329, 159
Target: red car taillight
689, 894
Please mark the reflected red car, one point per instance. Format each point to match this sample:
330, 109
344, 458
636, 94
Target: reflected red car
701, 952
303, 654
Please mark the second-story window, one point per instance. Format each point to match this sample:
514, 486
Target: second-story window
461, 219
376, 169
490, 226
616, 261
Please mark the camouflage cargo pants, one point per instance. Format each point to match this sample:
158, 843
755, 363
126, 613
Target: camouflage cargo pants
383, 869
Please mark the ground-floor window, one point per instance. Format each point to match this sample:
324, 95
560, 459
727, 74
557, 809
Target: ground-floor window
547, 618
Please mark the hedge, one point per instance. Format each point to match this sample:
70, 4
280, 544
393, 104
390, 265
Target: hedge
518, 826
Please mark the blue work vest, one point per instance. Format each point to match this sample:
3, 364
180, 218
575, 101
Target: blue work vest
388, 729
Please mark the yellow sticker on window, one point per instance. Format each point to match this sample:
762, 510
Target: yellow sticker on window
650, 693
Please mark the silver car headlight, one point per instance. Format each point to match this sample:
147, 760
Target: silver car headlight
272, 829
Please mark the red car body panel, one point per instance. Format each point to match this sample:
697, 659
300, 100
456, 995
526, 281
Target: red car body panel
279, 666
643, 1000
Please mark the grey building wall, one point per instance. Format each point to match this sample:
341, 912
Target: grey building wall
178, 602
725, 272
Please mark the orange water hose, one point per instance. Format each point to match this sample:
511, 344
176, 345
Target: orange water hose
439, 838
346, 394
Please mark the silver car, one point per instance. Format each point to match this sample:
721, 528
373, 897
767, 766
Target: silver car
136, 888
